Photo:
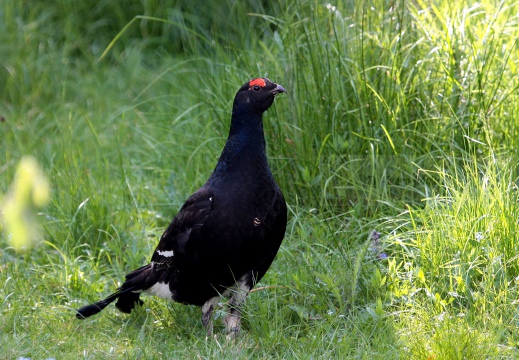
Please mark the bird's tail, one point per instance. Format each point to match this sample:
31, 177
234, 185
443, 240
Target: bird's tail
127, 295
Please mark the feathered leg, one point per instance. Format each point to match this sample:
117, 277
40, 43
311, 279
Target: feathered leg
239, 293
207, 314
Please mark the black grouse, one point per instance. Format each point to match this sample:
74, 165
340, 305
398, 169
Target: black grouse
227, 233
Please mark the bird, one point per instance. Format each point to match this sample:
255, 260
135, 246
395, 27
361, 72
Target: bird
226, 235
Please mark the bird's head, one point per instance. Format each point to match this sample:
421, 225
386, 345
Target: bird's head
256, 96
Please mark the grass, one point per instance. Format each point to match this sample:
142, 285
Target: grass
395, 145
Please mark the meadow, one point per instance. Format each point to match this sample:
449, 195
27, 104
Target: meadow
396, 146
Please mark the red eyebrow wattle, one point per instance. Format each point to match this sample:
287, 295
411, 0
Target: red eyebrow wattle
258, 81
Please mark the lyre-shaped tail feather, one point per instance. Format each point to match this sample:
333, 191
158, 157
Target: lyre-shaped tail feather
127, 295
92, 309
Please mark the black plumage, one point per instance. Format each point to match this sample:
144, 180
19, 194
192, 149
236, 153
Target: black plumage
227, 233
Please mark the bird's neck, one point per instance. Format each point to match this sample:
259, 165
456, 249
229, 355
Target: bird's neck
245, 146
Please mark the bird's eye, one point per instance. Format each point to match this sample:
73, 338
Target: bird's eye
256, 88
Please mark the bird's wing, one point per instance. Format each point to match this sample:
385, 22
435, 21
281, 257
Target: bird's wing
185, 226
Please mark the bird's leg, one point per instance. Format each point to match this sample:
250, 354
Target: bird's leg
239, 293
207, 314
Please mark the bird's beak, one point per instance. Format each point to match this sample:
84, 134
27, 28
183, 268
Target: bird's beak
278, 89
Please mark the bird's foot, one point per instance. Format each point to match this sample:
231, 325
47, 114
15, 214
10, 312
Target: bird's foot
232, 325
